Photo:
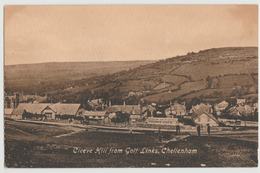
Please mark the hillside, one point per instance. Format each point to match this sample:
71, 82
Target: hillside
209, 74
42, 77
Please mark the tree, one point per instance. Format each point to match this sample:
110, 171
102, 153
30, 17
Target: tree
121, 117
84, 97
132, 100
194, 101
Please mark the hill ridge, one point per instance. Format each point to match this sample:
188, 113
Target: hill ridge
210, 74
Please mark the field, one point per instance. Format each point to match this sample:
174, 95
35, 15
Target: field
34, 145
185, 76
237, 67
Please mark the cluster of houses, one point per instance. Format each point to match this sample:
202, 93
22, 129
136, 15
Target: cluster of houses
201, 114
43, 110
243, 109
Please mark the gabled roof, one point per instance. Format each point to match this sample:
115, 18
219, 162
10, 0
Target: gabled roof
223, 104
234, 111
49, 108
35, 108
65, 108
242, 110
201, 108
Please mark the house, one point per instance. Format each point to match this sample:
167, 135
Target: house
241, 102
61, 109
201, 108
95, 115
49, 112
33, 108
109, 117
204, 119
96, 104
130, 109
149, 111
175, 110
220, 107
135, 112
8, 112
236, 111
241, 110
249, 110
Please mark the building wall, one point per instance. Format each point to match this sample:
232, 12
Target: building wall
49, 113
15, 116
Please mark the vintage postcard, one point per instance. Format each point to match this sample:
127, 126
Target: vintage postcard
94, 86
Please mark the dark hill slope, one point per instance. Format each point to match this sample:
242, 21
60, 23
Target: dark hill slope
42, 77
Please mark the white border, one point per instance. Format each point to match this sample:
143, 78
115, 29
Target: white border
112, 170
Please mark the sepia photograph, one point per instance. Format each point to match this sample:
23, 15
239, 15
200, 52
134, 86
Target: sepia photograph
130, 86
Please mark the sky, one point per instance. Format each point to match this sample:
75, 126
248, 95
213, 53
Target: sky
36, 34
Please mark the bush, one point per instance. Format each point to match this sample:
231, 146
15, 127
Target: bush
186, 121
121, 117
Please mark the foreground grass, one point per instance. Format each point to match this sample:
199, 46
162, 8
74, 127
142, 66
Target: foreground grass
32, 145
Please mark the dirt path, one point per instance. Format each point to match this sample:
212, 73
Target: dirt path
248, 135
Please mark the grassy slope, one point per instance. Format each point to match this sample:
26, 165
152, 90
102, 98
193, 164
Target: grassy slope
177, 77
185, 76
52, 76
26, 147
228, 67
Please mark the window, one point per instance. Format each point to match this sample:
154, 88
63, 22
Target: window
48, 114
